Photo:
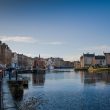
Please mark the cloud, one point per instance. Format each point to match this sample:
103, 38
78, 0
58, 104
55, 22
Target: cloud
53, 43
22, 39
71, 57
56, 43
28, 39
97, 48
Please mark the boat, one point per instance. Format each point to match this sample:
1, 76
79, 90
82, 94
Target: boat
39, 65
50, 67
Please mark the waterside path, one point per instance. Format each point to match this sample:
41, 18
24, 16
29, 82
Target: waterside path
8, 103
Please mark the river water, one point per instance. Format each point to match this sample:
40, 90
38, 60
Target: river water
70, 90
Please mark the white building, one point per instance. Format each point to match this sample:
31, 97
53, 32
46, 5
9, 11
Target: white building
50, 64
77, 65
14, 60
100, 60
87, 60
107, 58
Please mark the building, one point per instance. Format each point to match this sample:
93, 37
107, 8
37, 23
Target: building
15, 60
29, 63
25, 62
8, 58
77, 65
87, 60
100, 60
20, 60
58, 62
49, 63
68, 64
5, 54
107, 58
82, 61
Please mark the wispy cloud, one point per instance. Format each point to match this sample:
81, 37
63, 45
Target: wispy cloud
28, 39
100, 48
53, 43
71, 57
56, 43
22, 39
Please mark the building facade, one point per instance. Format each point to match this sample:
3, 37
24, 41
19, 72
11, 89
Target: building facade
87, 60
25, 62
77, 65
107, 58
100, 60
14, 60
5, 54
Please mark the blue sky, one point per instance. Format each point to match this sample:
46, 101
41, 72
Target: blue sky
58, 28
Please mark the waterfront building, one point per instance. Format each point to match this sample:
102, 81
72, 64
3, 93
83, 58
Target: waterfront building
25, 62
20, 60
58, 62
77, 64
50, 63
1, 53
14, 60
68, 64
107, 58
87, 60
5, 54
29, 63
100, 60
82, 61
54, 63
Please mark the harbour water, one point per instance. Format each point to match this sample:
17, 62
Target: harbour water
69, 90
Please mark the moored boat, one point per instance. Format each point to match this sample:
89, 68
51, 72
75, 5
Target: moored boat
39, 65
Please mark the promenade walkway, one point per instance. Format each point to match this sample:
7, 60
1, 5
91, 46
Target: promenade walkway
8, 103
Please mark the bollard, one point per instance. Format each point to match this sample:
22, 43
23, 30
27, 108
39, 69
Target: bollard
9, 76
10, 72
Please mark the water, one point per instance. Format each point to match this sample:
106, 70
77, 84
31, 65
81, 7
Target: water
70, 90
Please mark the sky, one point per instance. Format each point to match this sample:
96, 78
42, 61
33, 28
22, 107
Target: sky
56, 28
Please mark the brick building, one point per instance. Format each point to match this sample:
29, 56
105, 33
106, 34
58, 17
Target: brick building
5, 54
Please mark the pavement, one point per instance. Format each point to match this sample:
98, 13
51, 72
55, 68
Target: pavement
8, 103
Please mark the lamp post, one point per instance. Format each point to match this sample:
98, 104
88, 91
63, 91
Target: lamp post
16, 74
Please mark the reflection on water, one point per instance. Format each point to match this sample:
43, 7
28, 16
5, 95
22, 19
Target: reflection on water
38, 79
17, 91
70, 90
92, 78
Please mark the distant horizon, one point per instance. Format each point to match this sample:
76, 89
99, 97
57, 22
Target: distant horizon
64, 28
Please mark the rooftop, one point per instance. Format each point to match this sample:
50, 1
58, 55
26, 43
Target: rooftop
100, 57
106, 53
88, 55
